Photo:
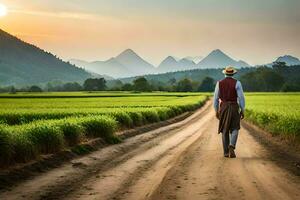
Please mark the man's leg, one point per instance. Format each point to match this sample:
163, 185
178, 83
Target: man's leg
225, 140
233, 138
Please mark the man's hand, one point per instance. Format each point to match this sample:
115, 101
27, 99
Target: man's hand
217, 115
242, 115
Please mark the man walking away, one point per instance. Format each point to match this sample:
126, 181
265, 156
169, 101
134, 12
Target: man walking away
229, 104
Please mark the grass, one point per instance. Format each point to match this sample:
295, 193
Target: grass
278, 113
24, 110
25, 142
36, 124
6, 148
94, 94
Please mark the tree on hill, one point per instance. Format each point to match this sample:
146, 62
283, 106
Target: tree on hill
127, 87
272, 80
185, 85
71, 87
172, 81
115, 85
141, 84
95, 84
279, 65
12, 90
207, 85
290, 87
35, 88
264, 79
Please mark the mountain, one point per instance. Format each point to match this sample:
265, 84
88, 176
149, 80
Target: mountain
171, 64
126, 64
135, 64
186, 62
22, 63
289, 60
195, 59
110, 68
243, 64
218, 59
168, 64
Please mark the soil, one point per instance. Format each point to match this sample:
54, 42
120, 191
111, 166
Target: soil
183, 160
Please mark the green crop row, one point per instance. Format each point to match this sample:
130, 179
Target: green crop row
93, 103
277, 113
44, 134
95, 94
20, 111
23, 117
26, 142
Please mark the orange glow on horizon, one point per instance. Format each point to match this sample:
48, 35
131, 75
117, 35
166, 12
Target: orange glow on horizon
3, 10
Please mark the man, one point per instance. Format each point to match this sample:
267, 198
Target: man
229, 104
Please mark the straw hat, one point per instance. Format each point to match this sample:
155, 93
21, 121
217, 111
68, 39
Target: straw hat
229, 70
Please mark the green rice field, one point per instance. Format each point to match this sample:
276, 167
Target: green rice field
32, 124
278, 113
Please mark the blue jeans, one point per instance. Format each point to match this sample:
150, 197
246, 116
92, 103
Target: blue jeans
229, 139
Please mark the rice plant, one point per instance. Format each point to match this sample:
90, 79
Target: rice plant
278, 113
34, 125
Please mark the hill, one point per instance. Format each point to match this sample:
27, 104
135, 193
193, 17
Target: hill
196, 75
170, 64
289, 60
218, 59
195, 59
111, 67
135, 63
126, 64
22, 63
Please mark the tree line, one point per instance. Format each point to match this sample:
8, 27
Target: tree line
140, 84
279, 77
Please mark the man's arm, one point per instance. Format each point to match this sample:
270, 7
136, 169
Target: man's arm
216, 99
241, 97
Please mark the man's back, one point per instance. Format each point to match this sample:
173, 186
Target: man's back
227, 90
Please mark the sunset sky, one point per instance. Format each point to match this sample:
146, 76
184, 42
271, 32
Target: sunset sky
256, 31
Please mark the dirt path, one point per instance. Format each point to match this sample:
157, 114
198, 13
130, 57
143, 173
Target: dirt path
179, 161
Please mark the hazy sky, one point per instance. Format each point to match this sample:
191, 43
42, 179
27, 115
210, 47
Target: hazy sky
256, 31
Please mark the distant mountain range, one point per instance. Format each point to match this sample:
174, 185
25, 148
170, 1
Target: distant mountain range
23, 64
129, 63
216, 59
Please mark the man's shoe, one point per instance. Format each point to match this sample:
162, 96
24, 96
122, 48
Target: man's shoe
231, 152
226, 155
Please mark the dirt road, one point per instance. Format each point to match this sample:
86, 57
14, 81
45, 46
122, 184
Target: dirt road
179, 161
